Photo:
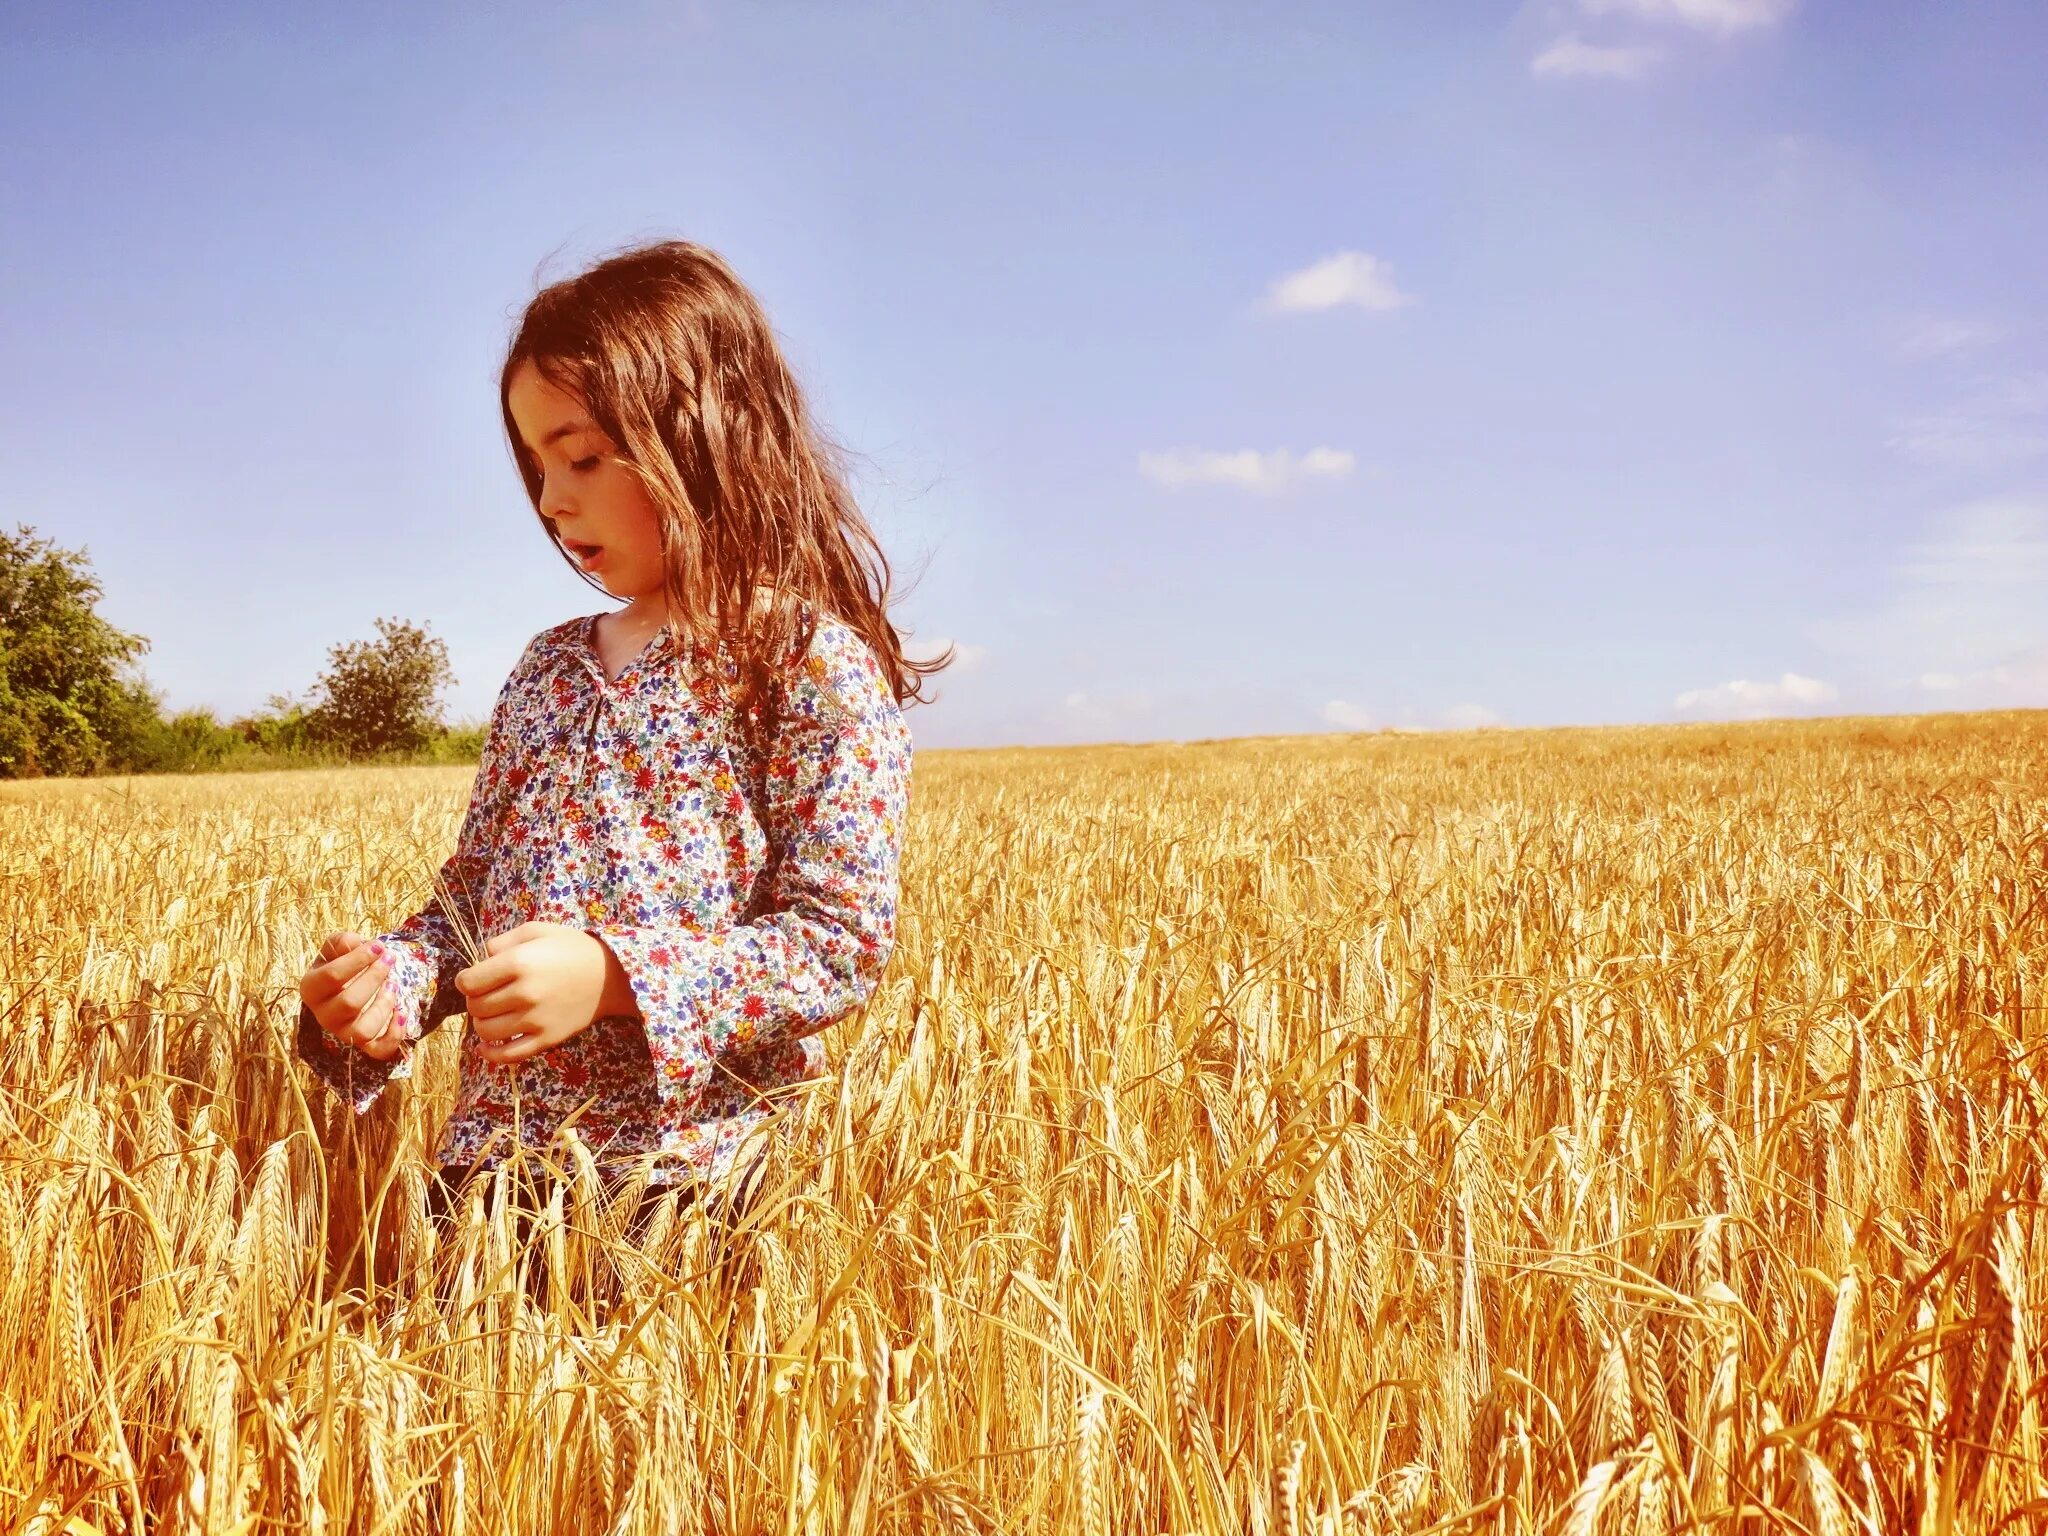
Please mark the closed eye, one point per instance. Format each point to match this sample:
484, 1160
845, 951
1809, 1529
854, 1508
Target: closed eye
583, 465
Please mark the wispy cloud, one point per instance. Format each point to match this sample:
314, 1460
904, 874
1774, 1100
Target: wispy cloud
1347, 716
1114, 709
2000, 423
966, 657
1247, 468
1968, 616
1570, 58
1743, 698
1725, 17
1349, 277
1986, 545
1941, 335
2021, 680
1630, 56
1470, 717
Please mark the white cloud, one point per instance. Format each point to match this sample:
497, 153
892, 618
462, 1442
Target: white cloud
1968, 616
2004, 421
1940, 335
1247, 468
1988, 544
1569, 58
1349, 277
1725, 17
1744, 698
965, 659
1459, 717
2022, 679
1470, 717
1114, 709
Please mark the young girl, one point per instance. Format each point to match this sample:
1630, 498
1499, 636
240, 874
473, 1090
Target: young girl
682, 841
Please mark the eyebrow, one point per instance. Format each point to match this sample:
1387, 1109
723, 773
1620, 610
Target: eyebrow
564, 431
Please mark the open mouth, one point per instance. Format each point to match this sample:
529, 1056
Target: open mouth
586, 554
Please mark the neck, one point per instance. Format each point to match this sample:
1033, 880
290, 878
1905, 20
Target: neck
643, 613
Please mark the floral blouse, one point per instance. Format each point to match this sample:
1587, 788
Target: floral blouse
749, 902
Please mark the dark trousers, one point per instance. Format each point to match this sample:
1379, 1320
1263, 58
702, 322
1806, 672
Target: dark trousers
448, 1193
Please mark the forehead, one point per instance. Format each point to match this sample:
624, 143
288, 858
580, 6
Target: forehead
543, 409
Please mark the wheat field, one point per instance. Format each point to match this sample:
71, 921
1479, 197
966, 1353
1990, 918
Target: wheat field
1625, 1130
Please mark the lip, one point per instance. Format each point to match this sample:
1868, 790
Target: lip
585, 555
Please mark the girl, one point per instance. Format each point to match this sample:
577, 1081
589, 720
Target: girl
682, 842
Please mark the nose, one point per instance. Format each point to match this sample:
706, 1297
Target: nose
554, 500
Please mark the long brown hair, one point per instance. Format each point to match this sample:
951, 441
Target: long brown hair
674, 358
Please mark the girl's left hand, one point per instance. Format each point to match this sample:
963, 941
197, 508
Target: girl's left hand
542, 983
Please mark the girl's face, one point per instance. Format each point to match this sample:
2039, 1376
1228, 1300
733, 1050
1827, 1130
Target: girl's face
599, 508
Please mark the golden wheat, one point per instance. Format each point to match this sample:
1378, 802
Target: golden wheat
1607, 1130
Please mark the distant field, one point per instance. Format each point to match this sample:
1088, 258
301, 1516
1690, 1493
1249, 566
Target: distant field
1617, 1130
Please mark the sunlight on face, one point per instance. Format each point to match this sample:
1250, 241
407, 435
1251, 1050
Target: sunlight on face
599, 508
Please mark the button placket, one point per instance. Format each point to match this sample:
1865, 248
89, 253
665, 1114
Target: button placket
591, 865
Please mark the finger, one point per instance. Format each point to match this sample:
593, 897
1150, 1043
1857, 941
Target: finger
500, 1025
338, 1012
375, 1026
390, 1042
339, 944
367, 982
329, 979
512, 937
351, 1026
475, 980
517, 1048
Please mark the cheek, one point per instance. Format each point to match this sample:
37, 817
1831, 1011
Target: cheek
634, 521
643, 522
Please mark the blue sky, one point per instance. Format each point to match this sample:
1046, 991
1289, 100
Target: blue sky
1217, 369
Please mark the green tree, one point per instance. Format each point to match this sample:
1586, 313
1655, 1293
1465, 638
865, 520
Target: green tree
380, 696
282, 726
68, 700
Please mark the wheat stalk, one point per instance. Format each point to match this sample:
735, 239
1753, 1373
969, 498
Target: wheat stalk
1361, 1135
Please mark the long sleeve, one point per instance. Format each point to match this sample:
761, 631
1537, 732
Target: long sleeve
836, 789
426, 949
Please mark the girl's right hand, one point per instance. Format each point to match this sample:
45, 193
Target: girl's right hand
347, 993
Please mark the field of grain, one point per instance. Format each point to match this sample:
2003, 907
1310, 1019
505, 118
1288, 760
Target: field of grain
1619, 1130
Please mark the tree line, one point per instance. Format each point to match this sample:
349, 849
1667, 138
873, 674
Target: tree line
73, 699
